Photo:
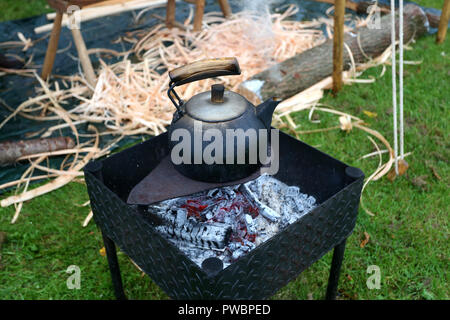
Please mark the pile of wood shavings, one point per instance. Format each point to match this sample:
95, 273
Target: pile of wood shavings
132, 98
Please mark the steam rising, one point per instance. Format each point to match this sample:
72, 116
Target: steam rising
260, 32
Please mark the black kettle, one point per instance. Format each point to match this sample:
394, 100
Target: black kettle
217, 135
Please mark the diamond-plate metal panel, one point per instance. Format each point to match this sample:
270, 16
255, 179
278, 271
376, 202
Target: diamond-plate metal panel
257, 275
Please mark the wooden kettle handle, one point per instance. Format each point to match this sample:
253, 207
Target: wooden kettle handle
203, 69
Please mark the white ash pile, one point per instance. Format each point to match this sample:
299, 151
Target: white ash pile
229, 222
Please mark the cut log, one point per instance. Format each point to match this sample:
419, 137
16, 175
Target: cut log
362, 6
10, 151
300, 72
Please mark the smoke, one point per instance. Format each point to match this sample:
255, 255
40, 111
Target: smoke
259, 33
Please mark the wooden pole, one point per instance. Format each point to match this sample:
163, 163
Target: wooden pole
338, 44
170, 13
199, 10
52, 46
443, 22
225, 7
84, 57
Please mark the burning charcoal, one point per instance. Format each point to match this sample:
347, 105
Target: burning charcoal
229, 219
181, 217
242, 249
250, 225
206, 235
197, 254
213, 193
265, 229
292, 191
233, 246
236, 254
209, 215
229, 222
248, 245
311, 201
300, 204
264, 210
209, 235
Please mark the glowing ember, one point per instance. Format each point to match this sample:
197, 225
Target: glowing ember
229, 222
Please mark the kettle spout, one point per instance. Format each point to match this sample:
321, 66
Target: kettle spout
265, 110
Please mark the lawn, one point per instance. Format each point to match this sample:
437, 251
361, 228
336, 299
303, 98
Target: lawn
408, 233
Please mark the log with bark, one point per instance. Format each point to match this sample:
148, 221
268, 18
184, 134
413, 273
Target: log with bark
362, 7
11, 151
300, 72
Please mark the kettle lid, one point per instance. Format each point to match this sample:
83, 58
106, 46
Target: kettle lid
216, 105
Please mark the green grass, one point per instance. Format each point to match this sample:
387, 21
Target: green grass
408, 234
18, 9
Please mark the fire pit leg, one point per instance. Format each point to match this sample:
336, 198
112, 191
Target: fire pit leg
114, 267
333, 280
95, 167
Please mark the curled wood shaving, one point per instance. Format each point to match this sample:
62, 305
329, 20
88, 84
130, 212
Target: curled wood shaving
130, 97
87, 219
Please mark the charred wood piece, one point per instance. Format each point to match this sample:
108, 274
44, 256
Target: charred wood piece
264, 210
211, 235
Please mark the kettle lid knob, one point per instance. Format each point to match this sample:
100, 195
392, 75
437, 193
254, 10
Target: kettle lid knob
217, 91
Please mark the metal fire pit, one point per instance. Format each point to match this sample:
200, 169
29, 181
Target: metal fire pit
258, 274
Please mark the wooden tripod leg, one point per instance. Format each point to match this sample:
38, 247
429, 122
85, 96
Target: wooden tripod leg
84, 57
443, 22
199, 10
170, 14
225, 7
52, 46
